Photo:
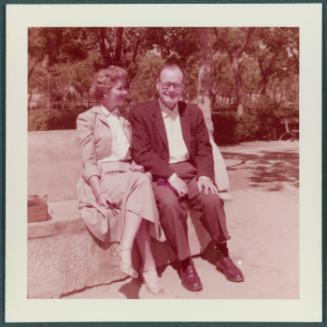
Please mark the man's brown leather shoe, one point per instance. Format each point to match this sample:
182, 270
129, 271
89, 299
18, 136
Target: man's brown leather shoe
190, 278
226, 266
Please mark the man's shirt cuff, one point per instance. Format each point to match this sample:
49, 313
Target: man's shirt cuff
172, 178
204, 178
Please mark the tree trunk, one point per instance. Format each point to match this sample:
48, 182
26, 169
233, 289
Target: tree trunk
234, 55
203, 95
240, 109
204, 92
237, 78
30, 95
103, 50
119, 45
31, 69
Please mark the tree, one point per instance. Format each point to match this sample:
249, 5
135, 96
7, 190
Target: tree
251, 68
142, 87
276, 49
234, 42
50, 47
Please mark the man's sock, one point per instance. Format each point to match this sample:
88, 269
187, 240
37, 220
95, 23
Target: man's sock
185, 263
222, 247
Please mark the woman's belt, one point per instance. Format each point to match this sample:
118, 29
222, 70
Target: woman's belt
114, 166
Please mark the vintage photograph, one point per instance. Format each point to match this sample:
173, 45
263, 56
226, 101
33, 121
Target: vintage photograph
163, 162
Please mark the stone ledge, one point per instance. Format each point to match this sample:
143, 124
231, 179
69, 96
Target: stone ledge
64, 219
63, 256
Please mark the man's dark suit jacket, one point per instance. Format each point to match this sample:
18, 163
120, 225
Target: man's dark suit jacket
150, 144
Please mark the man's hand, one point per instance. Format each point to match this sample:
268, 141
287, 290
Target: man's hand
206, 185
178, 185
103, 199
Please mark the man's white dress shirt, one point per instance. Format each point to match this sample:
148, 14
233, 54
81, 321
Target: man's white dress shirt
177, 149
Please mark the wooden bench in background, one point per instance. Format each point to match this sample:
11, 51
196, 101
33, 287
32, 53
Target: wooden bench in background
291, 126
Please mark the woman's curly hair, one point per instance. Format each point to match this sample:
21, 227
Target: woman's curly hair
105, 79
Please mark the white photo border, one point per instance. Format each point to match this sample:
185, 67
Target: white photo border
308, 17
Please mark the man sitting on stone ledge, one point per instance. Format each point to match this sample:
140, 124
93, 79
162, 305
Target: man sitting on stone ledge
170, 139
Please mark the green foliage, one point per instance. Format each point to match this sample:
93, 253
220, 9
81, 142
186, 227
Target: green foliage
223, 79
71, 81
62, 119
37, 120
191, 77
276, 50
231, 129
224, 128
250, 74
259, 122
142, 87
182, 41
58, 45
247, 127
255, 67
268, 122
43, 120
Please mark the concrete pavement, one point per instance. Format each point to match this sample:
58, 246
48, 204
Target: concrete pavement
263, 220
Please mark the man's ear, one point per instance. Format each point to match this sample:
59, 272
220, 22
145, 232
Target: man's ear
157, 85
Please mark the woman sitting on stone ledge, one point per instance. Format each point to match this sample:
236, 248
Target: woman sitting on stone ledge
115, 196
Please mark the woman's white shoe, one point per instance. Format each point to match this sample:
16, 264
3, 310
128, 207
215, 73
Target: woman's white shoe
151, 281
124, 260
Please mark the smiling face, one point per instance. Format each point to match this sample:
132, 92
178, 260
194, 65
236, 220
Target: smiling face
116, 95
170, 85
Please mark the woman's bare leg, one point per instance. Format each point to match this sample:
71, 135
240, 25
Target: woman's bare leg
149, 273
144, 244
131, 228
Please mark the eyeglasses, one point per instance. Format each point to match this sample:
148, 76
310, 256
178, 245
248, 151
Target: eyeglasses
167, 85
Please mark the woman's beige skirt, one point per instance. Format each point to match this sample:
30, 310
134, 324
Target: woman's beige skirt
129, 191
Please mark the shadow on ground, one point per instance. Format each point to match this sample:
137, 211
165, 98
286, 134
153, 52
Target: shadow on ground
132, 289
268, 170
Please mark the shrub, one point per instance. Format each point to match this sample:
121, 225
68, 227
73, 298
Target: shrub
269, 125
37, 120
43, 120
260, 122
258, 125
62, 119
246, 127
224, 128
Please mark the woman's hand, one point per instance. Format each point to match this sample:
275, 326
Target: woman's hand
103, 199
135, 167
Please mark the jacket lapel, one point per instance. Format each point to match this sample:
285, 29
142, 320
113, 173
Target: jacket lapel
127, 128
101, 116
124, 122
159, 124
185, 124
